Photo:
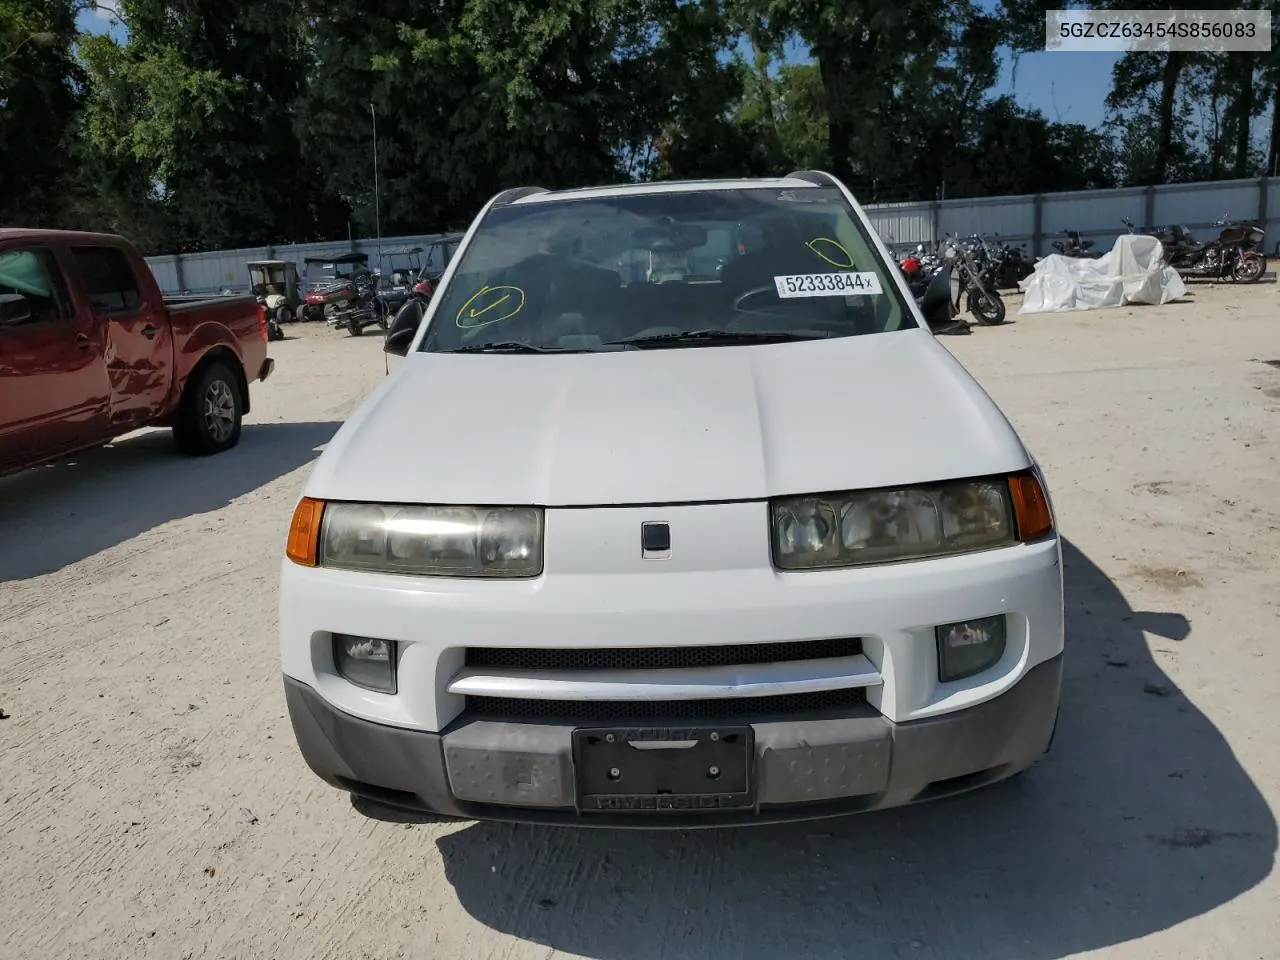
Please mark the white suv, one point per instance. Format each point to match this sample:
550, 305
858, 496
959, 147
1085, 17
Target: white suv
675, 514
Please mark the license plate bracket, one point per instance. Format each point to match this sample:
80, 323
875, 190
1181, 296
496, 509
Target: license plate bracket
664, 769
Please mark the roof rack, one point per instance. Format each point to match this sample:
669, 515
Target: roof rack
819, 178
515, 193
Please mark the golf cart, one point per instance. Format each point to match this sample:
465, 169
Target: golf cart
331, 284
275, 284
398, 270
438, 255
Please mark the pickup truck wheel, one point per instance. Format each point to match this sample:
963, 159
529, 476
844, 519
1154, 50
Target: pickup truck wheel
209, 419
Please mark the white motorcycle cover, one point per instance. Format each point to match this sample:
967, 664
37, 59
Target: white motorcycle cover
1132, 272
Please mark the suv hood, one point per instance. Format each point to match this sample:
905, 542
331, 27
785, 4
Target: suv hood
669, 425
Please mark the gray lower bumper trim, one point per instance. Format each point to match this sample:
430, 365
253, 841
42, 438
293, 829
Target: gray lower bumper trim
485, 769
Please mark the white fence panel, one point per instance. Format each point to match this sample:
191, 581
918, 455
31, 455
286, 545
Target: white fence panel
1198, 205
1010, 218
1033, 221
217, 270
166, 273
902, 225
1096, 215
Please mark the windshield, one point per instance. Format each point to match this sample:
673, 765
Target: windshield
711, 266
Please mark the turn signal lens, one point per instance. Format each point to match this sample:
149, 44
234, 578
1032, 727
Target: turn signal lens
1030, 506
304, 532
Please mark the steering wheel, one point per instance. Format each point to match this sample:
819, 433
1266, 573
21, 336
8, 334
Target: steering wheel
754, 292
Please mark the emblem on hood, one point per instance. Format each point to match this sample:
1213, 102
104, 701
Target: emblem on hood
655, 541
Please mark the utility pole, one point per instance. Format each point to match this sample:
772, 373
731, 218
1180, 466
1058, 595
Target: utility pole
377, 201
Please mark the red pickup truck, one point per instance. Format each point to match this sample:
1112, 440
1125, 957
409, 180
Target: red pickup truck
90, 350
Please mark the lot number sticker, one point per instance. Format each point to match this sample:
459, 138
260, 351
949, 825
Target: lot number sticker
828, 285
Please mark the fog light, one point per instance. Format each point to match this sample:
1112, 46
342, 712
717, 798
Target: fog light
969, 647
366, 662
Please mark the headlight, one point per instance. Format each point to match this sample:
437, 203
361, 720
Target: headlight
881, 526
433, 541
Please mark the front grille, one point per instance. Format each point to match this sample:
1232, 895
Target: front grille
659, 658
741, 709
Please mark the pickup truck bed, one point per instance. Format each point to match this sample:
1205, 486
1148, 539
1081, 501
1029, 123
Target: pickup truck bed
90, 350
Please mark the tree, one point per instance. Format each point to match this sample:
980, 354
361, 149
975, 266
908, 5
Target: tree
201, 97
39, 103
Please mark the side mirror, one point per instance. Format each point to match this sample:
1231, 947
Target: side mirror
14, 309
940, 303
403, 328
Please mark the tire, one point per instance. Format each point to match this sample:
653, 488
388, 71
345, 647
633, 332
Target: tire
987, 308
284, 315
210, 413
302, 314
1249, 268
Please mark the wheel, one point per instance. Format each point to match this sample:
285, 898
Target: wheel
1249, 268
209, 416
284, 315
302, 314
987, 308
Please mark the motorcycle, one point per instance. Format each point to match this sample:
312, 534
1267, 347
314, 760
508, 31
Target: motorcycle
354, 304
976, 272
938, 297
274, 330
935, 287
1074, 247
1232, 256
1011, 266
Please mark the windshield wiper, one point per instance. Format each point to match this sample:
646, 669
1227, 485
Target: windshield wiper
511, 346
724, 337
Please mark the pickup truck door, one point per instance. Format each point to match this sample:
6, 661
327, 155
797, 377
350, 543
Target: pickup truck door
139, 354
53, 380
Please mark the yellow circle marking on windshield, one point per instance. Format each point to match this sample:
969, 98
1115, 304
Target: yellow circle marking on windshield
847, 258
490, 305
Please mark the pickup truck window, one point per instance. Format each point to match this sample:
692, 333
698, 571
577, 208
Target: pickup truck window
108, 279
33, 273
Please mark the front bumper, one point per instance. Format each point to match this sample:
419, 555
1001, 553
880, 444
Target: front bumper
804, 768
597, 594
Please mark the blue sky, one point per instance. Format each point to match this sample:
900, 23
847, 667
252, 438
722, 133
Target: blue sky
1065, 86
99, 21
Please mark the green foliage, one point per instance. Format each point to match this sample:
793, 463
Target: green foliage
39, 101
227, 122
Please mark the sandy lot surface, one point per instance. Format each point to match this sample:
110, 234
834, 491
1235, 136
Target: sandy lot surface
153, 803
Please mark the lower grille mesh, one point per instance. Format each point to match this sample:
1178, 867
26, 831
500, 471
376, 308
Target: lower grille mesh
613, 712
659, 658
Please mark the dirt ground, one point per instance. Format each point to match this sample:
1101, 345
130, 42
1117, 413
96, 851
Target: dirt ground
153, 803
